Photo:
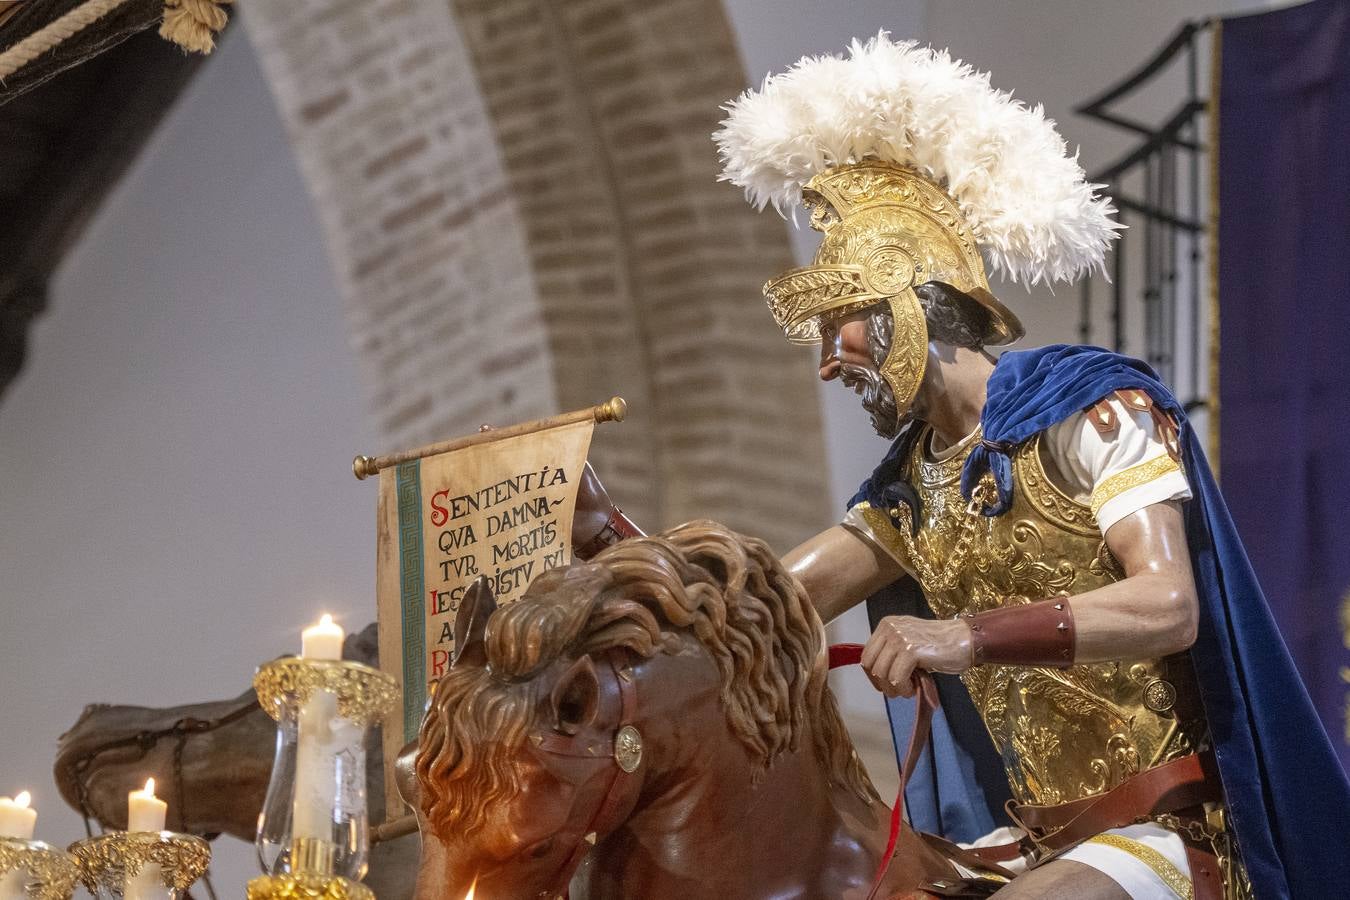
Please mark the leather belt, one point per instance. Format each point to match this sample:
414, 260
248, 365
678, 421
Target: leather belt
1180, 784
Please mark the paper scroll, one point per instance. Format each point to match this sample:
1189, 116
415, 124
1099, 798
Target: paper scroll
501, 509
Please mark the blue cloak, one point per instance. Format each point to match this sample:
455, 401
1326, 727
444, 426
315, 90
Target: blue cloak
1288, 798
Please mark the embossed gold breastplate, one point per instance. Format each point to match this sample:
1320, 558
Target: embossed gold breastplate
1064, 734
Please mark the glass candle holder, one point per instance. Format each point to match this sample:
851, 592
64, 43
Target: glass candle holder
32, 870
315, 819
141, 865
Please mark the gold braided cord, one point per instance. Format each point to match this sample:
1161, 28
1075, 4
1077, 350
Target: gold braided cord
54, 33
1173, 877
1127, 479
942, 576
191, 24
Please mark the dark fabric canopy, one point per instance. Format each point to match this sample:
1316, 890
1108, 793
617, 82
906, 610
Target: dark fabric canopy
71, 121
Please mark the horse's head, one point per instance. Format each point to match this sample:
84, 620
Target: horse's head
533, 748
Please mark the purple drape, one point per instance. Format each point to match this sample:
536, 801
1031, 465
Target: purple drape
1284, 303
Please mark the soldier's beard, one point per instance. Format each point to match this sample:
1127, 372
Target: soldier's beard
877, 397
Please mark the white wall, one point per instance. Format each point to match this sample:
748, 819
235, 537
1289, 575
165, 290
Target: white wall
176, 488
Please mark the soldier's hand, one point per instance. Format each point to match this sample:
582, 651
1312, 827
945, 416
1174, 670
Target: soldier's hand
902, 644
593, 508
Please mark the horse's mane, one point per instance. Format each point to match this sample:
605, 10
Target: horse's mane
752, 617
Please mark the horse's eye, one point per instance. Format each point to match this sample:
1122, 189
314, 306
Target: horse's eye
541, 849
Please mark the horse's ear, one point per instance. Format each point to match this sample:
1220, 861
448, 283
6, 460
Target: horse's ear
576, 697
471, 623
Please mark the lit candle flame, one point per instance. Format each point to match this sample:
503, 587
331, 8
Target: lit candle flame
149, 787
469, 895
326, 621
23, 799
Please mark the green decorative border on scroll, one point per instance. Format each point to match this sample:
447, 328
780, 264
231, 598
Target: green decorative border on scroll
412, 595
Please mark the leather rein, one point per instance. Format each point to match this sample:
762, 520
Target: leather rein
926, 702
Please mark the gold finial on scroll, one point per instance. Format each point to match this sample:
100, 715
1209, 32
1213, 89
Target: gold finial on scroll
363, 467
615, 409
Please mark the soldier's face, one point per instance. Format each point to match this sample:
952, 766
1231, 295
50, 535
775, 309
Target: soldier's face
847, 354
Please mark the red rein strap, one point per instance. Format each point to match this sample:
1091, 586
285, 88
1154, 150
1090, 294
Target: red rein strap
850, 655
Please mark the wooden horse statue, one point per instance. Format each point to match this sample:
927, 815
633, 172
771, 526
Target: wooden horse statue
652, 724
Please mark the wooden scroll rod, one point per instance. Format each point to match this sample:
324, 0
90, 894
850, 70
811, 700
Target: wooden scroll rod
394, 829
612, 410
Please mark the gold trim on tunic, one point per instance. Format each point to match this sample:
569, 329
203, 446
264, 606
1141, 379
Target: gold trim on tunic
1163, 867
1117, 484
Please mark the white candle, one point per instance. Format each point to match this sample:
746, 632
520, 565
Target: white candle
145, 811
17, 818
322, 641
321, 737
315, 768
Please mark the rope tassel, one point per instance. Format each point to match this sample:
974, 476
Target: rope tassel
194, 24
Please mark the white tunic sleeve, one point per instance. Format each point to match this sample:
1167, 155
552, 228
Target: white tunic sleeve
1119, 472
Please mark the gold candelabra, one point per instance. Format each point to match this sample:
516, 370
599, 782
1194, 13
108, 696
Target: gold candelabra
36, 871
313, 835
140, 865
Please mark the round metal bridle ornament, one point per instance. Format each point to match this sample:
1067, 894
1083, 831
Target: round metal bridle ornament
628, 749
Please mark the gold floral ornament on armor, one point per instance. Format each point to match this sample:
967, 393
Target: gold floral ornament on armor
886, 229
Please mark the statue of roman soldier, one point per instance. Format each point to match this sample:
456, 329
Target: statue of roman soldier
1080, 571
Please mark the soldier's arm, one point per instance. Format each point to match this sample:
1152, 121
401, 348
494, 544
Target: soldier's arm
840, 569
1154, 610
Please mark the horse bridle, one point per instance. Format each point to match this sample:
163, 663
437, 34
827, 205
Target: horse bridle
145, 741
623, 746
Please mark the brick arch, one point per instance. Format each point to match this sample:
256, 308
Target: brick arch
521, 201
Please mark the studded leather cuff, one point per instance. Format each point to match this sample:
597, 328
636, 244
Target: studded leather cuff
1036, 634
617, 527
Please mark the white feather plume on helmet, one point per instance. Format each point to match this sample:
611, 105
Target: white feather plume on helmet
1025, 198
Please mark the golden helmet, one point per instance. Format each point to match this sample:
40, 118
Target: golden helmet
886, 229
